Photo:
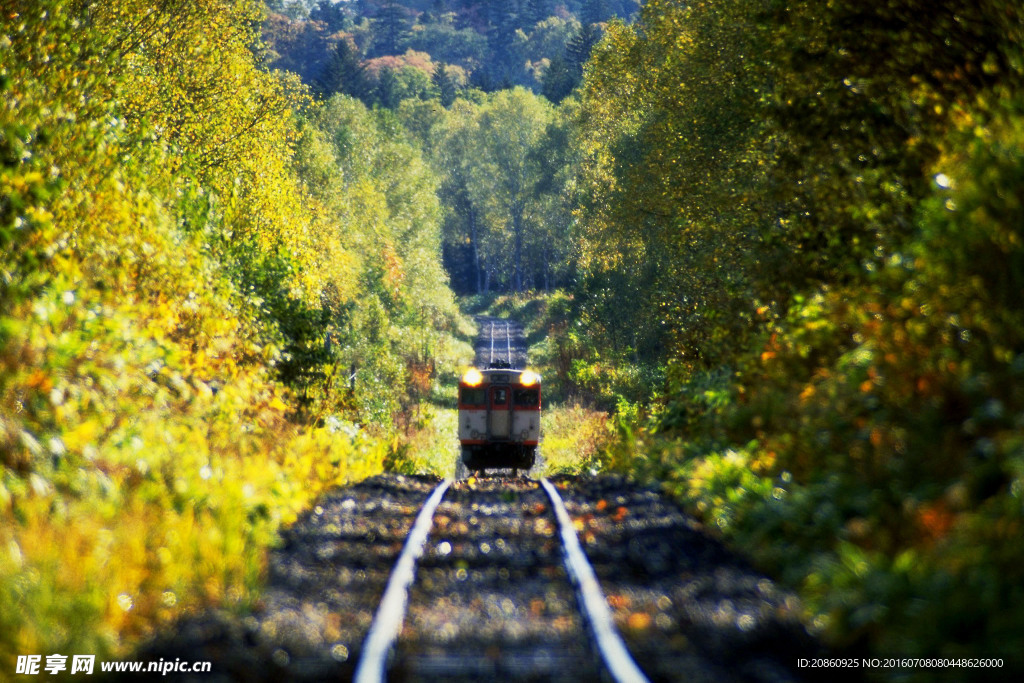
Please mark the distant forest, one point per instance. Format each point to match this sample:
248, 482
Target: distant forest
386, 51
480, 87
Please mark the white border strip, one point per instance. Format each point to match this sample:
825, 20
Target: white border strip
613, 651
387, 622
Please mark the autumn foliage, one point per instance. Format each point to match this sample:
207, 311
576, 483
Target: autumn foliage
814, 213
196, 336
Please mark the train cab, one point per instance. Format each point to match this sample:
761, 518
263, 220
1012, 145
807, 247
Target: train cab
499, 418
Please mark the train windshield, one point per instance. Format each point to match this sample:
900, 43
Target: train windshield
526, 398
472, 396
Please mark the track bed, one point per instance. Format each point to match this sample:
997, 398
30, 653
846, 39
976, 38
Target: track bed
491, 597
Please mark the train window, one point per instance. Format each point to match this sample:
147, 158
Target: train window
472, 396
499, 397
526, 398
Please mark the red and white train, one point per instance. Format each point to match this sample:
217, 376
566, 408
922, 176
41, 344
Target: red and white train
499, 418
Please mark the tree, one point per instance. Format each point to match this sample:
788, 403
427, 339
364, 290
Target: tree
537, 11
553, 246
577, 53
558, 80
445, 85
396, 84
382, 196
670, 153
511, 123
889, 103
549, 38
332, 14
502, 168
595, 11
344, 73
454, 152
506, 63
464, 47
392, 25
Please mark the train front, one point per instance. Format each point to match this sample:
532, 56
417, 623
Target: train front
499, 418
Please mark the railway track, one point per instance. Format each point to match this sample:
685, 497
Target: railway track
500, 343
491, 596
486, 538
408, 578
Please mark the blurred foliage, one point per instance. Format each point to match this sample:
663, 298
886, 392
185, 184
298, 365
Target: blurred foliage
805, 219
790, 232
574, 438
664, 198
216, 300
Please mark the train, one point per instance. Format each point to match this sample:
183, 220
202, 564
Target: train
499, 418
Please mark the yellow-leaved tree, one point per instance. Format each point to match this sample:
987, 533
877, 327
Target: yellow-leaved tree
168, 288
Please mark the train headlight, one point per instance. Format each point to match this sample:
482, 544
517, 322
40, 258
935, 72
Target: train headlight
472, 378
529, 378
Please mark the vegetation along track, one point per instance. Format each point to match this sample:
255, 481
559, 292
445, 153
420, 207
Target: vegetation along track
491, 597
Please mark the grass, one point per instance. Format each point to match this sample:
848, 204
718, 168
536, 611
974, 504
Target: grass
432, 446
573, 440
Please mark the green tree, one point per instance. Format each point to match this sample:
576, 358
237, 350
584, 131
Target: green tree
811, 205
464, 47
577, 52
378, 190
536, 11
446, 87
398, 84
333, 14
390, 29
670, 158
454, 155
547, 39
847, 196
558, 80
553, 249
501, 165
511, 124
344, 73
595, 11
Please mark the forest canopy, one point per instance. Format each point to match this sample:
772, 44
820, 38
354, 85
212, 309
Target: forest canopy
485, 45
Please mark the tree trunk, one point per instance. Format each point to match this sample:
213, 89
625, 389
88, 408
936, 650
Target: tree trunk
517, 231
476, 250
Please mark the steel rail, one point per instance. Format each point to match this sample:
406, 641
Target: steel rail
595, 607
387, 622
491, 362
